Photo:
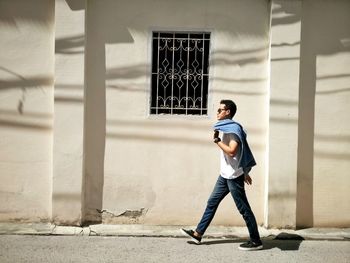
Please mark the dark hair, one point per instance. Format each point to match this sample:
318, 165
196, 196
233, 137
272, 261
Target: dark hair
230, 105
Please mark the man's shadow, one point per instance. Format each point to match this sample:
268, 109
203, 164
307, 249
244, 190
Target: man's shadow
283, 241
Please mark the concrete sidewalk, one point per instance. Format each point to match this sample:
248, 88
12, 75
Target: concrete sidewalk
170, 231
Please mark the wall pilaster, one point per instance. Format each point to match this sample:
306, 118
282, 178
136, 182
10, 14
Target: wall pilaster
68, 112
283, 118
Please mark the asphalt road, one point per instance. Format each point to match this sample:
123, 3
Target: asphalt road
26, 248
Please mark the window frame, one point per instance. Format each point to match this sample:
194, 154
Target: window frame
207, 109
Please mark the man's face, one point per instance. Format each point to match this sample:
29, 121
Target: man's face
222, 112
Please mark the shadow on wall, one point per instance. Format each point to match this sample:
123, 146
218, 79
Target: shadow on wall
18, 81
70, 45
76, 5
11, 11
321, 34
100, 30
23, 80
19, 117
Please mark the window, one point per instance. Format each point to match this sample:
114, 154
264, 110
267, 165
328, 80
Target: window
180, 73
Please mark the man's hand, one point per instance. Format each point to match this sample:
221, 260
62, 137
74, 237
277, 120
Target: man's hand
216, 134
216, 137
247, 179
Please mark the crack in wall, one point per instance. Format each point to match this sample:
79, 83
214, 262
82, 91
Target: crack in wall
129, 216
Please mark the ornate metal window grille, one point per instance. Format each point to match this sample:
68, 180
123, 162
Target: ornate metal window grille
180, 73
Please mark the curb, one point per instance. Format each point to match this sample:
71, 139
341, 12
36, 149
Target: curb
171, 231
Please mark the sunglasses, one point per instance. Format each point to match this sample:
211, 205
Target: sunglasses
220, 110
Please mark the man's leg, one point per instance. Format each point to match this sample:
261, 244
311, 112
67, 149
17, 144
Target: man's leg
219, 192
236, 187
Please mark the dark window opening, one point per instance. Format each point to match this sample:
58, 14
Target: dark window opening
180, 73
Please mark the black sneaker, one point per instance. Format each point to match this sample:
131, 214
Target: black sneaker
190, 233
249, 246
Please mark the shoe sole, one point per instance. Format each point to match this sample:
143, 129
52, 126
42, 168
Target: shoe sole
187, 235
251, 248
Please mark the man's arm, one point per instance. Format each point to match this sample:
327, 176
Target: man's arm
230, 149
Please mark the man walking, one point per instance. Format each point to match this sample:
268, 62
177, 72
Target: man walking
235, 164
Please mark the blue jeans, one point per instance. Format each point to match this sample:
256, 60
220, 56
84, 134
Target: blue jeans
236, 188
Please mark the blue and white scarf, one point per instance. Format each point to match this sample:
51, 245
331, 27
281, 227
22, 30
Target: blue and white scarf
246, 160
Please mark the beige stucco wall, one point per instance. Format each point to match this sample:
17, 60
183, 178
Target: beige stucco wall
91, 145
166, 166
325, 82
26, 109
309, 107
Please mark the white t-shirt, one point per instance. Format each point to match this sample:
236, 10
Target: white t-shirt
229, 165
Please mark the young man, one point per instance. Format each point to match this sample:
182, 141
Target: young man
236, 162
